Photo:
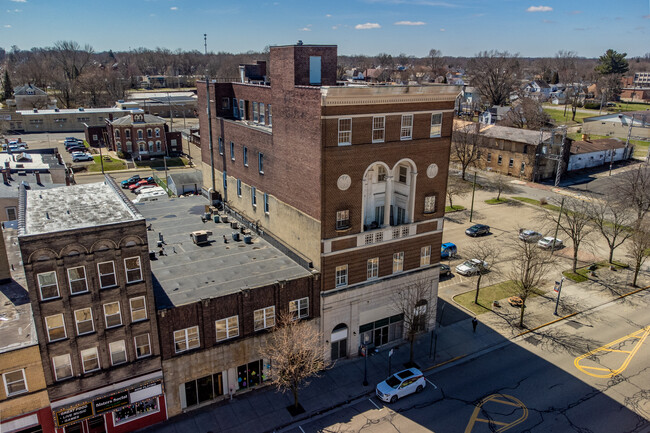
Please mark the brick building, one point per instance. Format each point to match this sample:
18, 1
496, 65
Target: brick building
352, 179
86, 261
143, 136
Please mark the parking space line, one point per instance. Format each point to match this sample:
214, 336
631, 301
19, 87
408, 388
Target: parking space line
301, 429
373, 403
431, 383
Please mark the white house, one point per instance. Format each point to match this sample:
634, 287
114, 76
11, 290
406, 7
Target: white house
538, 89
635, 123
492, 115
592, 153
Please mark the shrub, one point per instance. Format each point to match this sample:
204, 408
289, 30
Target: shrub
123, 155
543, 201
592, 105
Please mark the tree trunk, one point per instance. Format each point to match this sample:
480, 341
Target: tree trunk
636, 274
294, 390
521, 315
464, 169
575, 259
411, 341
478, 287
611, 255
451, 203
498, 194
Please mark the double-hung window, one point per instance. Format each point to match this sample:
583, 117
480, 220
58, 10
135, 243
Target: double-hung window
118, 352
245, 156
186, 339
266, 203
373, 268
260, 163
15, 382
262, 113
341, 275
342, 219
299, 308
406, 133
112, 314
227, 328
235, 108
106, 274
242, 109
220, 146
84, 320
89, 359
232, 151
55, 326
142, 345
398, 262
425, 255
264, 318
48, 285
436, 125
345, 131
62, 366
256, 114
378, 129
133, 271
238, 187
77, 280
253, 196
138, 308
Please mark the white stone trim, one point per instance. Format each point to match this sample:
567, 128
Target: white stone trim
392, 113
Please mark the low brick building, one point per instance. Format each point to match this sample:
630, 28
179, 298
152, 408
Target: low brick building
142, 136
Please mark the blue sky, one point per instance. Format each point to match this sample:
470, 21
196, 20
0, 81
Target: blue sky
456, 27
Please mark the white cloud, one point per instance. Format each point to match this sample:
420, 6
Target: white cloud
328, 15
14, 11
539, 9
367, 26
173, 8
7, 26
304, 29
442, 30
336, 27
410, 23
19, 1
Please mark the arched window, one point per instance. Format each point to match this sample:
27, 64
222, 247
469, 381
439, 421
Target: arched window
117, 133
140, 134
388, 195
127, 133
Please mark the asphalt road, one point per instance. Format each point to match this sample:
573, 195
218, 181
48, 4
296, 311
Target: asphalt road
533, 385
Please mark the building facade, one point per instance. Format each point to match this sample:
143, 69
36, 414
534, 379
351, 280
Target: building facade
143, 136
64, 119
86, 261
351, 178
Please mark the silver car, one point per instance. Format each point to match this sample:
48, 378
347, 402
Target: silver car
471, 267
547, 243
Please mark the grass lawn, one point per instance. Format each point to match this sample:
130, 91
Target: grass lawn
582, 274
495, 201
560, 119
113, 164
487, 295
536, 203
159, 163
632, 106
454, 208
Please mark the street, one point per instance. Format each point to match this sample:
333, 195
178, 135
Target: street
537, 384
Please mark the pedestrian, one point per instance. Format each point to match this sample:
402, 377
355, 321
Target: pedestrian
474, 323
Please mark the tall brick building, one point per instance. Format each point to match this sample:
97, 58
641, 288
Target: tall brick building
351, 178
86, 261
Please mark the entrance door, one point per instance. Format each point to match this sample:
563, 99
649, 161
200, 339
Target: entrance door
339, 339
381, 336
96, 425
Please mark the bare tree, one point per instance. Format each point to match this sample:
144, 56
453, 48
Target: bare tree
565, 62
612, 221
526, 113
488, 255
638, 249
574, 221
71, 60
295, 353
494, 73
529, 266
466, 144
416, 301
501, 184
436, 61
456, 188
633, 190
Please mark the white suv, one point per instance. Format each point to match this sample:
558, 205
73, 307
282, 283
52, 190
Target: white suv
400, 385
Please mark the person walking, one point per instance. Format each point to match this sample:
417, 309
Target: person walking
474, 323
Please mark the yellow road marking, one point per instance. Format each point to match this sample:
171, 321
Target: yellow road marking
501, 399
639, 336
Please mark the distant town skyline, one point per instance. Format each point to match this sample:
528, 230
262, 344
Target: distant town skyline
533, 28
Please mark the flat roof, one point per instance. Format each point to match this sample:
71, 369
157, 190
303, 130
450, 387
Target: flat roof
597, 145
75, 207
11, 188
513, 134
189, 272
78, 111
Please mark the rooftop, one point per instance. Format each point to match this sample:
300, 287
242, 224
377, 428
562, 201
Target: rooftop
148, 119
78, 110
580, 147
188, 272
513, 134
10, 189
74, 207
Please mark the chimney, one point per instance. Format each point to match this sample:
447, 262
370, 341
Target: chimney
38, 178
4, 177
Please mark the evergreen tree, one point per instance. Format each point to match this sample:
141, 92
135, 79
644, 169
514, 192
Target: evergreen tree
612, 63
8, 90
555, 78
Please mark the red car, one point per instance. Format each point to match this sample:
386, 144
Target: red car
147, 181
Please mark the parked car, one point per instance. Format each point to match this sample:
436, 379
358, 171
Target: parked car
147, 188
400, 385
445, 270
529, 235
478, 230
142, 182
76, 157
547, 243
448, 250
471, 267
76, 149
130, 181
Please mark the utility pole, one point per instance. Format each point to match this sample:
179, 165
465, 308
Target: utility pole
557, 227
471, 211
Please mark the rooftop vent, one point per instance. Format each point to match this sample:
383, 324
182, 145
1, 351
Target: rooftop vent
56, 110
299, 42
81, 108
35, 110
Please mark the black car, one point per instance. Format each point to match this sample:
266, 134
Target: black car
478, 230
130, 181
445, 271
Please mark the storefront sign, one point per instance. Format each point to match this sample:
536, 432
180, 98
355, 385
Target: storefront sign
149, 390
73, 414
111, 402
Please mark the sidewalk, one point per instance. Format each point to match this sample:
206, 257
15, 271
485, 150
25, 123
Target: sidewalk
264, 409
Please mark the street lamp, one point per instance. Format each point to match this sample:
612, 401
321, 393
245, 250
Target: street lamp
434, 334
558, 289
364, 352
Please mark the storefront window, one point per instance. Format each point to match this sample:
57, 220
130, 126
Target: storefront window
382, 331
204, 389
250, 374
136, 410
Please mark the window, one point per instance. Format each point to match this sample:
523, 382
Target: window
117, 134
225, 180
238, 187
140, 135
186, 339
406, 133
142, 345
398, 262
129, 146
158, 146
264, 318
270, 116
341, 275
62, 366
15, 382
112, 314
523, 167
138, 309
403, 170
127, 133
225, 103
253, 196
299, 308
133, 271
149, 133
77, 280
436, 125
245, 156
381, 174
242, 109
345, 132
227, 328
314, 69
118, 352
378, 129
151, 146
157, 132
262, 113
220, 146
89, 360
342, 219
499, 159
430, 204
489, 157
256, 114
260, 163
48, 285
55, 326
511, 163
266, 203
118, 146
425, 255
235, 108
84, 321
232, 151
373, 268
106, 274
141, 147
